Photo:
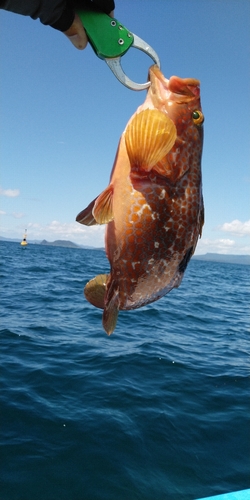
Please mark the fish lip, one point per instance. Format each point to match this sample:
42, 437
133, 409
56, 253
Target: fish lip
156, 74
188, 88
175, 88
158, 92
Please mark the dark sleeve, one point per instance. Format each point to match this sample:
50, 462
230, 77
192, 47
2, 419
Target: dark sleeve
57, 13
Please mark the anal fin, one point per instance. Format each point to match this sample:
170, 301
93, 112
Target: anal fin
110, 313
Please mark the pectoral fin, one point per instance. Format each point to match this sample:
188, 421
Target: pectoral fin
95, 290
149, 137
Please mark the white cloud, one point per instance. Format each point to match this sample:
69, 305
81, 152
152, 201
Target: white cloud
18, 215
236, 227
227, 246
10, 193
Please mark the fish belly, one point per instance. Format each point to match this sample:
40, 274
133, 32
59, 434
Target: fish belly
147, 246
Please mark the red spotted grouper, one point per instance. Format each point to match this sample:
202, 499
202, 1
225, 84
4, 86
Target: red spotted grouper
153, 206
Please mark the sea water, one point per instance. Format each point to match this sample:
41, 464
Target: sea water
157, 411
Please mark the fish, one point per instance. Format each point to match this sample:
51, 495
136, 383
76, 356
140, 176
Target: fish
153, 206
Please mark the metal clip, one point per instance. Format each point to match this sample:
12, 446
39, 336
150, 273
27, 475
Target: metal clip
115, 64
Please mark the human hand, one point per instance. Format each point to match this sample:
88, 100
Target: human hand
77, 34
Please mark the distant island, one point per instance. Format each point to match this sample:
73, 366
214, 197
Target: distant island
60, 243
227, 258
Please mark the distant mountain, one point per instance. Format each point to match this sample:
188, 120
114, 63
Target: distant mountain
230, 259
60, 243
10, 239
67, 244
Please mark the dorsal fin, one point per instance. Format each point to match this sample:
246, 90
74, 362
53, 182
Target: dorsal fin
202, 219
149, 137
86, 216
99, 211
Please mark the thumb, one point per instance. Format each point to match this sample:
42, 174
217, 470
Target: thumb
76, 34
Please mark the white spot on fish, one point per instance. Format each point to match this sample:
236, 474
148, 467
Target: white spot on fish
151, 261
135, 263
116, 254
140, 212
154, 215
162, 194
156, 244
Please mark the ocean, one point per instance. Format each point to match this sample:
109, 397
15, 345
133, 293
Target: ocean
157, 411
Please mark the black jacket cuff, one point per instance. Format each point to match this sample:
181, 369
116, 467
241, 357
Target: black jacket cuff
67, 17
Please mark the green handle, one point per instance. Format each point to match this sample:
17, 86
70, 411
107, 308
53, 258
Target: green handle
108, 37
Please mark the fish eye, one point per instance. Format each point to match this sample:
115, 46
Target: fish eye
198, 117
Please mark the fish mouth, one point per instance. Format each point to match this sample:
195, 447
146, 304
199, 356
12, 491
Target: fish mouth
175, 89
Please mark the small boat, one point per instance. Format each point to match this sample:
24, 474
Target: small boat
235, 495
24, 242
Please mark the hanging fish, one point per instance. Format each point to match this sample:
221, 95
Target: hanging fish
153, 206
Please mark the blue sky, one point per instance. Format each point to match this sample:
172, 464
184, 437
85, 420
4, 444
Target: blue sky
62, 113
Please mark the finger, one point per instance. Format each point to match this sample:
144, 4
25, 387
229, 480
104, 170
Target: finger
76, 34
